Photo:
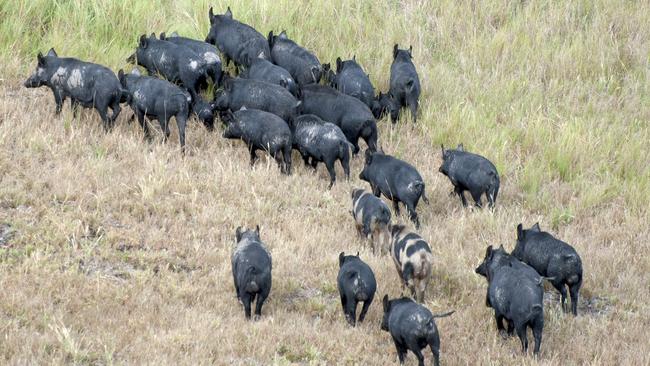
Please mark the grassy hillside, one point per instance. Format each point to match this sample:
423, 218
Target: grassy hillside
116, 251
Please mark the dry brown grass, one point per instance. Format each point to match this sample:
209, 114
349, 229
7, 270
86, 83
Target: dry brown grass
120, 254
115, 251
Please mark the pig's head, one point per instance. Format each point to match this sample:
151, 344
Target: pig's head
272, 38
232, 128
384, 320
329, 75
205, 112
356, 193
494, 258
215, 23
448, 156
43, 73
385, 104
251, 235
368, 161
140, 51
520, 247
222, 97
402, 54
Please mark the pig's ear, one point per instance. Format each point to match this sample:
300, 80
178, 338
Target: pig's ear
520, 232
211, 15
238, 234
51, 53
257, 230
163, 36
460, 147
386, 304
143, 41
442, 148
228, 13
120, 74
354, 58
536, 227
357, 254
283, 34
411, 51
339, 64
153, 35
40, 59
341, 258
488, 252
395, 49
269, 38
243, 108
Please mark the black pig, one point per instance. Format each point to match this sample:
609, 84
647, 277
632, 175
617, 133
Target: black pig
251, 270
208, 52
303, 65
264, 70
178, 64
372, 218
470, 172
322, 142
356, 282
396, 179
404, 81
412, 327
256, 94
353, 117
239, 42
552, 258
87, 84
515, 293
260, 131
350, 79
156, 99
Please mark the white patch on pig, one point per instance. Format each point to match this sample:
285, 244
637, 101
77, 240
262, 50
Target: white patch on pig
413, 186
40, 71
331, 135
59, 76
139, 96
163, 59
262, 55
310, 135
194, 65
211, 57
75, 80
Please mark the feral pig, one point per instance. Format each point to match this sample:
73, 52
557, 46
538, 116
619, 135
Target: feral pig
552, 258
412, 327
260, 131
515, 293
251, 270
304, 66
350, 114
404, 81
264, 70
413, 260
208, 52
372, 218
204, 112
156, 99
385, 105
470, 172
350, 79
178, 64
87, 84
322, 142
256, 94
356, 282
238, 42
398, 180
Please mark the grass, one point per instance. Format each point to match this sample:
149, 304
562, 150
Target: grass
115, 251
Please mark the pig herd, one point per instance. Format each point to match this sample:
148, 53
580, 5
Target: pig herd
284, 99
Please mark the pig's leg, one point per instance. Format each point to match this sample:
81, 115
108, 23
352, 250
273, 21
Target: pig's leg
364, 309
116, 110
562, 289
523, 337
286, 154
476, 195
345, 163
436, 354
58, 99
413, 216
305, 158
329, 164
314, 163
181, 121
574, 290
413, 106
401, 350
499, 319
143, 124
538, 326
415, 348
246, 300
395, 206
253, 151
261, 298
103, 114
459, 192
351, 311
